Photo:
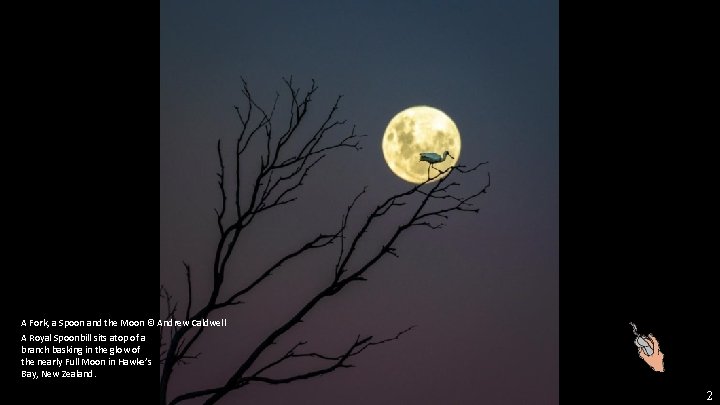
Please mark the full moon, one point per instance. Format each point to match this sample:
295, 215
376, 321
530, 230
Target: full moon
417, 130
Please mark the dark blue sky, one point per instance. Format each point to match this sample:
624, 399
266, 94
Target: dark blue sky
483, 291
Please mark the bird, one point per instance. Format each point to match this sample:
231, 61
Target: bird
432, 158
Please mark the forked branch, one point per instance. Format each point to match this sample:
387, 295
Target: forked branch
277, 181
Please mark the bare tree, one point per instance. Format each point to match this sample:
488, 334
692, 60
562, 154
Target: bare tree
283, 167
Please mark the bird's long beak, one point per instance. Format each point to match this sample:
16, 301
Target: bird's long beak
451, 156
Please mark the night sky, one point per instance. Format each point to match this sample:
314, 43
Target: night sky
483, 290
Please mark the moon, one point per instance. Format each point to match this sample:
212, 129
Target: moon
413, 131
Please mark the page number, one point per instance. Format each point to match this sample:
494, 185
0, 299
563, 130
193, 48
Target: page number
709, 395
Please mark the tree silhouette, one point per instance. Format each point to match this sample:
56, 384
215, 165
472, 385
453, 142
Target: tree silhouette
284, 165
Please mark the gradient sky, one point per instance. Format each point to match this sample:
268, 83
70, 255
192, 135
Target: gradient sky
483, 291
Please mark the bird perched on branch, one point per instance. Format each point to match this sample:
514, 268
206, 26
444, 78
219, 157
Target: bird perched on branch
433, 158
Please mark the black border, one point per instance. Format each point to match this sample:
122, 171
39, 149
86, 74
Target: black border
633, 248
81, 161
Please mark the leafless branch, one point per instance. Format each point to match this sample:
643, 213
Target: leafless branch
343, 226
170, 310
339, 361
221, 182
189, 284
320, 241
280, 176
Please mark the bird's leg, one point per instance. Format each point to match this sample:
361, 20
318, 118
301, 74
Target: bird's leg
429, 171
